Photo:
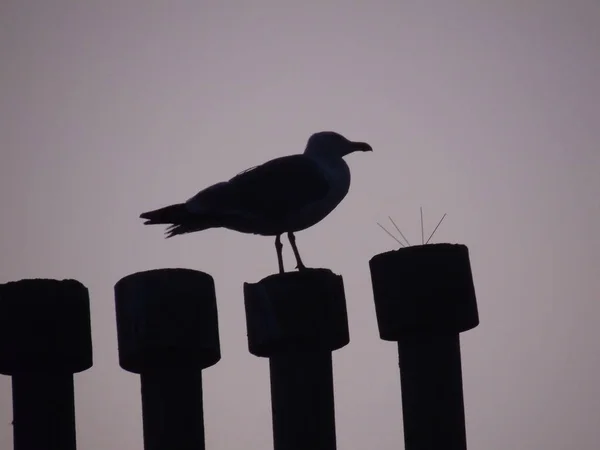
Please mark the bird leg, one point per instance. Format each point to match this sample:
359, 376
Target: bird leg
300, 265
279, 247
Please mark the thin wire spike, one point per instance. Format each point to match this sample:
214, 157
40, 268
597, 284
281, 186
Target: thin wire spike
422, 232
393, 237
436, 227
396, 226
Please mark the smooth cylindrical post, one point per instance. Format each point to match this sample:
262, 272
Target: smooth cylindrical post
168, 333
424, 297
45, 337
302, 400
297, 319
172, 405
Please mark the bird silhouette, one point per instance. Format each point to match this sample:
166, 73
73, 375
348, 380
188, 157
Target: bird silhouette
284, 195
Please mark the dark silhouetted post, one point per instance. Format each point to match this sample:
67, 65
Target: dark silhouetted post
424, 297
168, 332
45, 337
297, 319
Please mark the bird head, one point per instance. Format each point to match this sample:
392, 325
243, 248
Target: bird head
332, 144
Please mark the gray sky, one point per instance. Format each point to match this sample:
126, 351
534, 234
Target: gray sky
489, 111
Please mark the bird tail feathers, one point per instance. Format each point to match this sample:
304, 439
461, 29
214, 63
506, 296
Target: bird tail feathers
168, 214
179, 219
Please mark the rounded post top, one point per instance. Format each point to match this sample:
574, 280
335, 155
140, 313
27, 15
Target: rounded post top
167, 318
164, 276
296, 311
44, 326
420, 251
424, 289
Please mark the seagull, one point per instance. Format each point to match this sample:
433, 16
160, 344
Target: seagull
284, 195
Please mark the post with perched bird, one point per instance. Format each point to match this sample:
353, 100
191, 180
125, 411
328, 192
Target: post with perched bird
45, 337
296, 319
168, 333
424, 297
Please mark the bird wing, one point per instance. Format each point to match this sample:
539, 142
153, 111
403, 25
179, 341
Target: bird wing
269, 191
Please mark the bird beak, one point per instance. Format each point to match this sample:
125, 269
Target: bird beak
361, 147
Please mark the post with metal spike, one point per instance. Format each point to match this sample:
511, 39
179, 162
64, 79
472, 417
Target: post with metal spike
424, 297
168, 332
45, 337
296, 319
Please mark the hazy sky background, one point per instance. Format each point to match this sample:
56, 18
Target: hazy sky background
486, 110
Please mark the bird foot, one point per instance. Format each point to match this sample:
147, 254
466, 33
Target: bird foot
301, 267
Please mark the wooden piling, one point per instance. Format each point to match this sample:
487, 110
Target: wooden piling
296, 319
168, 333
424, 297
45, 337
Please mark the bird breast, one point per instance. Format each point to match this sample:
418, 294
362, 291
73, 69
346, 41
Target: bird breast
337, 173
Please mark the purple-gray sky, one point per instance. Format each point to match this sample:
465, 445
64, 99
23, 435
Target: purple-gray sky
489, 111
